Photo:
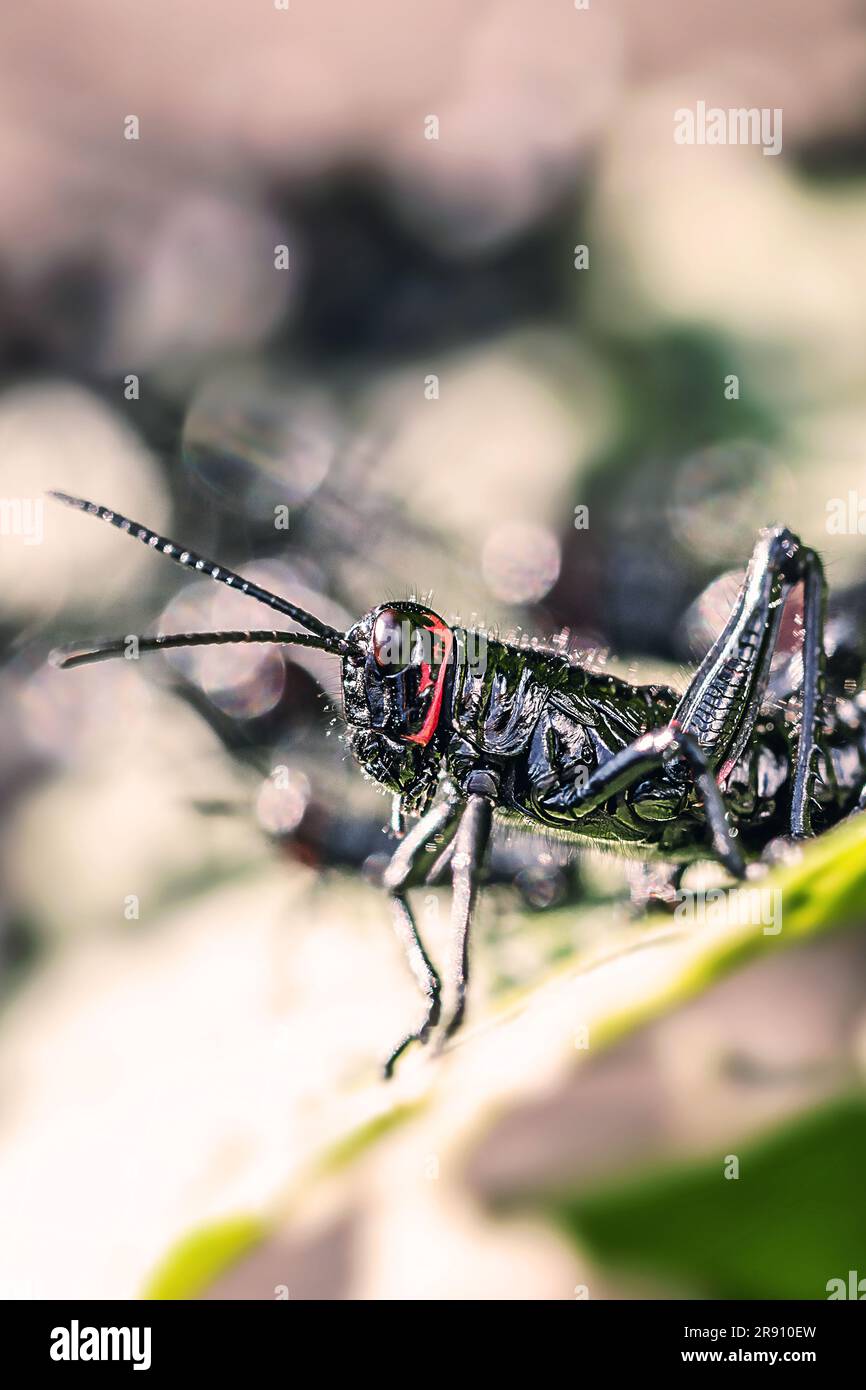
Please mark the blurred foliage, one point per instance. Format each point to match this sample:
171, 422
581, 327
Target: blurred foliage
792, 1218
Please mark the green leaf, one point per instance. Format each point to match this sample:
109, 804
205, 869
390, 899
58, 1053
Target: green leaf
342, 1154
200, 1257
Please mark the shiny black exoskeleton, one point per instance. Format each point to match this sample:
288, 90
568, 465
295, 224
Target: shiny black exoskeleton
462, 727
544, 725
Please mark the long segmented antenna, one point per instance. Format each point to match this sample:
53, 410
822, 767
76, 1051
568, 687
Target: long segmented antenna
79, 654
189, 559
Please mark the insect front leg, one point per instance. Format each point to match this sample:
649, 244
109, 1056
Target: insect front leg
467, 862
410, 855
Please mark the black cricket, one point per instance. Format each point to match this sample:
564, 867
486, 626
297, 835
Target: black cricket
461, 728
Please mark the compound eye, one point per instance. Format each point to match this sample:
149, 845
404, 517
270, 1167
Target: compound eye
392, 642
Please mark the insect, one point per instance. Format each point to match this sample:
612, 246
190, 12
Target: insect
462, 731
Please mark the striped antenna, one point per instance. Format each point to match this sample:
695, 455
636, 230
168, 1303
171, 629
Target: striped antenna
188, 558
77, 654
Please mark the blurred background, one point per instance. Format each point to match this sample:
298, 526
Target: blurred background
371, 301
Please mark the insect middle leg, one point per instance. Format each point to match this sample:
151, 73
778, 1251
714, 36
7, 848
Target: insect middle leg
653, 752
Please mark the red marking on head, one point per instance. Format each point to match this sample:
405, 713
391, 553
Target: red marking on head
428, 728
